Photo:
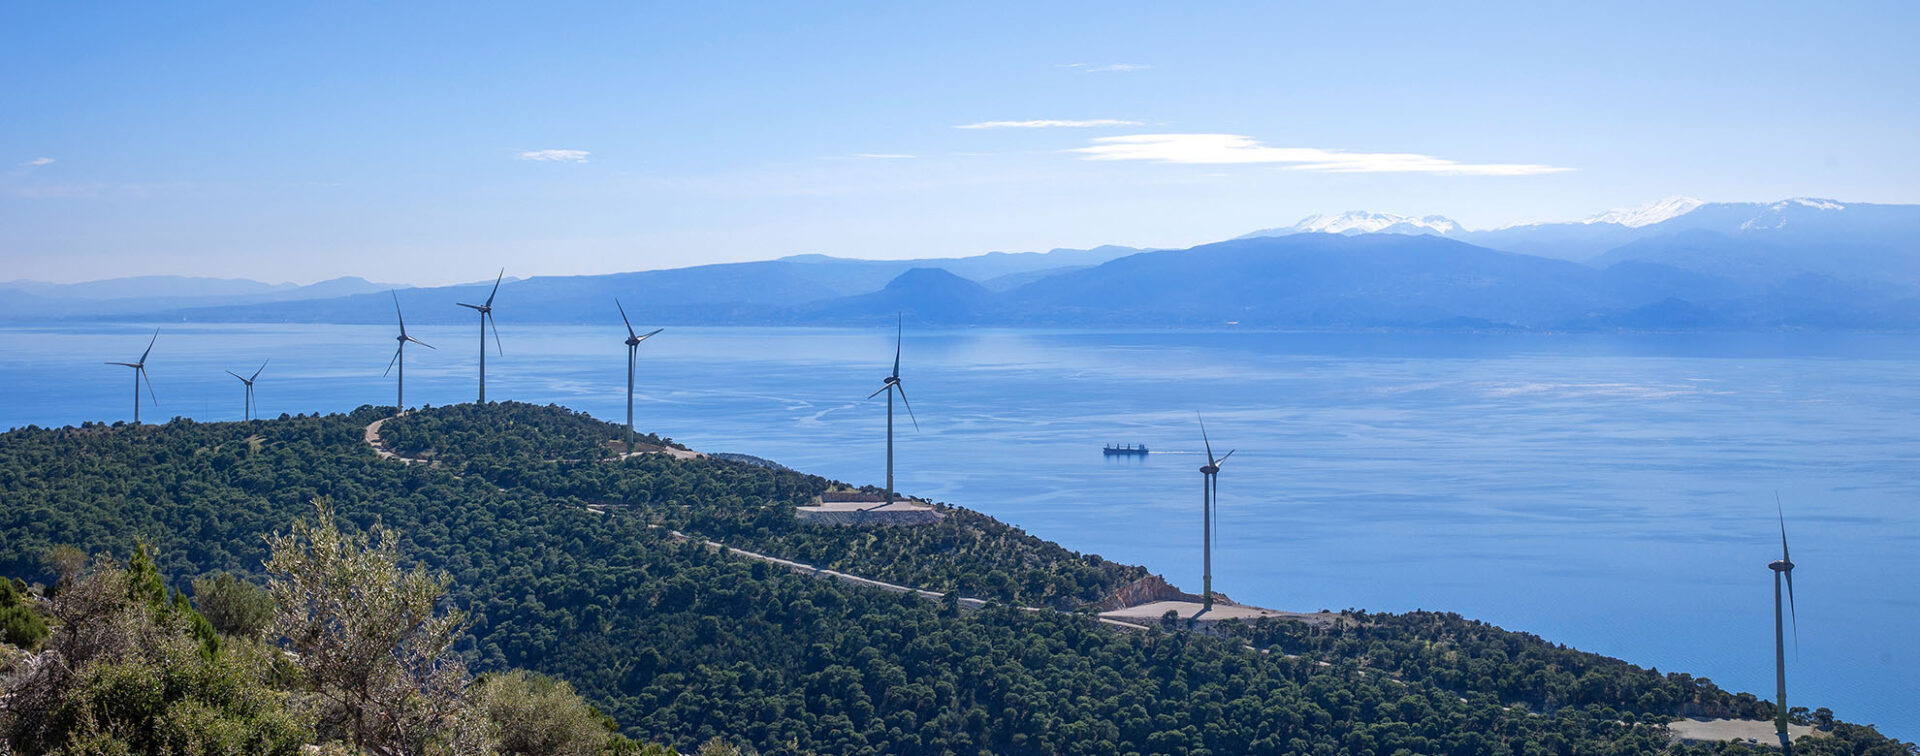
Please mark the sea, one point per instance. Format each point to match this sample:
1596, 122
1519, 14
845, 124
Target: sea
1620, 494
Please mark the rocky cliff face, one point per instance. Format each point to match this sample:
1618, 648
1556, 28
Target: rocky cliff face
1149, 589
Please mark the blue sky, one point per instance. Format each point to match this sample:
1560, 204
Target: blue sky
431, 143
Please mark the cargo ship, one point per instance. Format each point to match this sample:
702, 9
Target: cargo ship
1129, 450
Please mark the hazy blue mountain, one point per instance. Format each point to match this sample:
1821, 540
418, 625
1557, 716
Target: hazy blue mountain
1864, 234
929, 295
1712, 253
982, 267
701, 294
26, 300
147, 287
1404, 281
767, 291
1012, 281
1318, 280
1677, 264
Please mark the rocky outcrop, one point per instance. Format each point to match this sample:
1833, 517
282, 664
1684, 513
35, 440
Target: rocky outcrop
1147, 590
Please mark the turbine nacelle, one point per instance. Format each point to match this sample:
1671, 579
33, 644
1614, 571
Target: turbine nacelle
633, 339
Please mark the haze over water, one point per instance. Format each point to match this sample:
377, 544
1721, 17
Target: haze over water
1613, 493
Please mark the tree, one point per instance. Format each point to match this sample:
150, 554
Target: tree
234, 606
536, 715
368, 638
19, 626
127, 672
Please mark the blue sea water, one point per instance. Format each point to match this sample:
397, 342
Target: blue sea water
1613, 493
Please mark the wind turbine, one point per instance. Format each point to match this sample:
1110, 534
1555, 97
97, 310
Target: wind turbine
890, 385
486, 316
140, 373
399, 353
1782, 570
633, 354
1209, 494
250, 408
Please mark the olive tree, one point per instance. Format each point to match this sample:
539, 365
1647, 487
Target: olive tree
371, 641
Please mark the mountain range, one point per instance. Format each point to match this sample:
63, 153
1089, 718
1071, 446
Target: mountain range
1675, 264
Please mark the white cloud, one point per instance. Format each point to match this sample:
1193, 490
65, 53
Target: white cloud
36, 162
1106, 67
1218, 149
556, 156
1048, 124
881, 156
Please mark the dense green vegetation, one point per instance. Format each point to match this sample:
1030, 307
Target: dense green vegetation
551, 450
358, 662
681, 644
464, 433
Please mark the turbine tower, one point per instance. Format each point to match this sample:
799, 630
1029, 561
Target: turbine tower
140, 373
248, 381
633, 354
890, 385
1782, 570
399, 353
486, 316
1209, 494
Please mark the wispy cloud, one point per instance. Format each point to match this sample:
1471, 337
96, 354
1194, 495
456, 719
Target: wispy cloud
556, 156
1106, 67
1049, 124
37, 162
1218, 149
881, 156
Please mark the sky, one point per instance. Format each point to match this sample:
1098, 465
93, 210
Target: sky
432, 143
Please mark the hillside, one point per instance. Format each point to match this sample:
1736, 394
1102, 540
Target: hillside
568, 562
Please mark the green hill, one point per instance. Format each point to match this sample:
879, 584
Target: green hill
567, 561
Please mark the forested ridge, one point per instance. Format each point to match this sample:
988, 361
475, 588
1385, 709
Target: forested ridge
561, 554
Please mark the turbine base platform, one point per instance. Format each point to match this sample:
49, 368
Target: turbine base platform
1750, 731
900, 512
1196, 612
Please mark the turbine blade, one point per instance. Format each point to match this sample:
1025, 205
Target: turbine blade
883, 387
1204, 439
396, 312
496, 286
1223, 458
1783, 527
422, 343
156, 337
649, 334
903, 400
898, 332
463, 304
124, 364
256, 373
623, 318
149, 380
237, 375
396, 358
496, 334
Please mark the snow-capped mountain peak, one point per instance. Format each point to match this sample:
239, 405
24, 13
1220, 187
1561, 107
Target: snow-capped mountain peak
1779, 214
1362, 222
1647, 215
1812, 202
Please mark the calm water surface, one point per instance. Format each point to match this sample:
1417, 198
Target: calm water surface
1614, 493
